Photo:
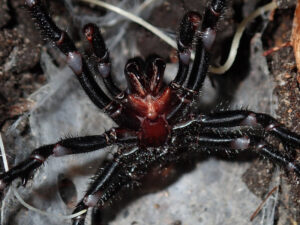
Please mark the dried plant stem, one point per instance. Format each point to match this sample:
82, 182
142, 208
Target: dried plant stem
234, 45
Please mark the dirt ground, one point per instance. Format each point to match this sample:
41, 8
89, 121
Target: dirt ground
21, 73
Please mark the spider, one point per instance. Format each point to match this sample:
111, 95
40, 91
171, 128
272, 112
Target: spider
156, 125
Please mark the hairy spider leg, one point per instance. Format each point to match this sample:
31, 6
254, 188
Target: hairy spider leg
249, 118
93, 35
66, 46
223, 140
128, 165
188, 27
77, 63
67, 146
204, 44
103, 187
105, 184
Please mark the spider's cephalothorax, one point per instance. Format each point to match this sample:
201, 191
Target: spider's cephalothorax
153, 122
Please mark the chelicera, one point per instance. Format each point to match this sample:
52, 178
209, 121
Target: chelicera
155, 123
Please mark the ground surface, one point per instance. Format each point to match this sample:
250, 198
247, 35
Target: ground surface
209, 191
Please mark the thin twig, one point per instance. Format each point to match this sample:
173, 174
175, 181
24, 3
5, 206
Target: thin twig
237, 37
234, 45
135, 19
262, 203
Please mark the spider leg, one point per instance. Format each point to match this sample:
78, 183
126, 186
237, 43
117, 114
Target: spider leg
64, 147
241, 142
126, 166
79, 66
66, 46
93, 35
252, 119
104, 185
188, 29
204, 45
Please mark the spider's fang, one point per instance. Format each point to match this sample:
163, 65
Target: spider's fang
135, 77
155, 71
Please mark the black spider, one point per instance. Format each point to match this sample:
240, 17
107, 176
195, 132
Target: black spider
156, 126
